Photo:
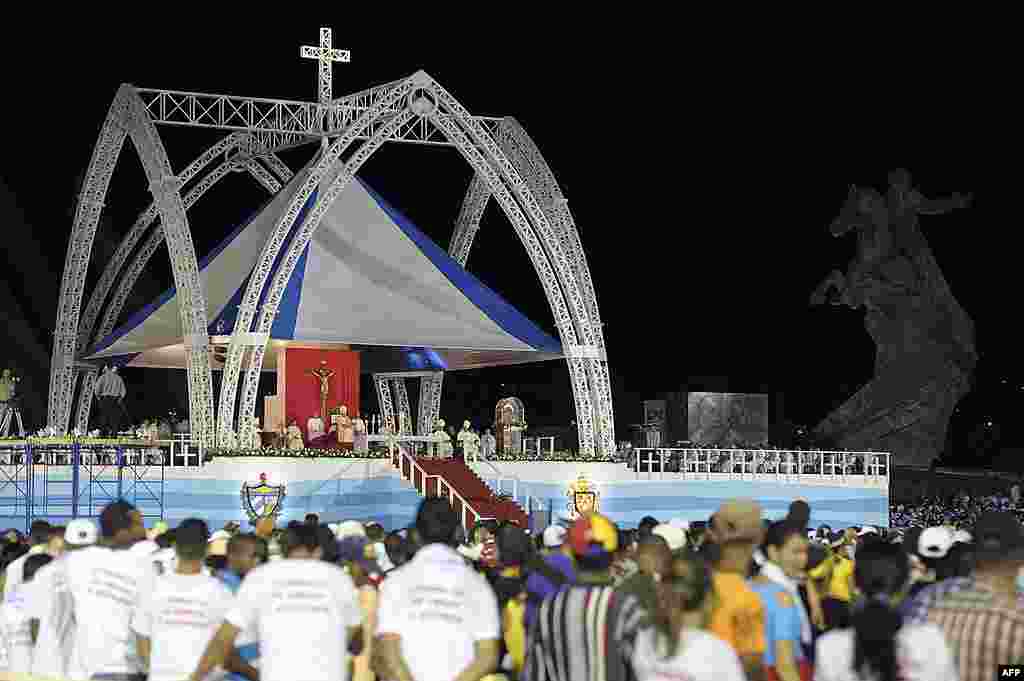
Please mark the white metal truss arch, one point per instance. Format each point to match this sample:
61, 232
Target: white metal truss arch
139, 264
545, 271
401, 396
140, 227
165, 188
329, 170
90, 205
520, 147
387, 411
468, 222
579, 355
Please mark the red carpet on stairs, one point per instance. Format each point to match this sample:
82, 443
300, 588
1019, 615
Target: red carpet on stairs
473, 490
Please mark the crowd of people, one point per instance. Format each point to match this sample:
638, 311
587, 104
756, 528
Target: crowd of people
731, 598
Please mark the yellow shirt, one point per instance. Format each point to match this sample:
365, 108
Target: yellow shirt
738, 614
839, 588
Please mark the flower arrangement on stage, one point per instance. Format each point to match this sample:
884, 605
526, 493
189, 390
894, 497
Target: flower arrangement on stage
563, 457
292, 453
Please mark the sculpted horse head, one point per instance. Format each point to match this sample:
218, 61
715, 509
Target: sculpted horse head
862, 207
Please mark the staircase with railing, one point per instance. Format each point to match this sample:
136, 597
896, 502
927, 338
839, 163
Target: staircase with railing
472, 499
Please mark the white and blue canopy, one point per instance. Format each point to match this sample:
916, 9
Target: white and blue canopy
369, 280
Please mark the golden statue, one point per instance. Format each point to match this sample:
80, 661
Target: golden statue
583, 498
324, 375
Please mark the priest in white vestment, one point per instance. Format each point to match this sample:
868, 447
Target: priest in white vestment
469, 442
293, 437
314, 427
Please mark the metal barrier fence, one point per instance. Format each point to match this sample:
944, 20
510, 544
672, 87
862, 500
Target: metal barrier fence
761, 464
534, 446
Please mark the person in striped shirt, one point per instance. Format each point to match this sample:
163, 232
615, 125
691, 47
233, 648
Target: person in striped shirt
587, 631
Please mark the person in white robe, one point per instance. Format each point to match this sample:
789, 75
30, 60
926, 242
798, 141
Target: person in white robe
470, 443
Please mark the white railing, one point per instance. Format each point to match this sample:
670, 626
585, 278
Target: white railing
538, 445
762, 464
497, 485
400, 458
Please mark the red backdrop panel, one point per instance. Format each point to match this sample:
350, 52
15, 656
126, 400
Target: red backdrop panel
302, 391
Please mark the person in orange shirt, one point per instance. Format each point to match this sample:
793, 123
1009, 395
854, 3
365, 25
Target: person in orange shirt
738, 616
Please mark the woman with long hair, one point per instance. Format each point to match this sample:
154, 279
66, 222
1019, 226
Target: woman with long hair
878, 647
677, 646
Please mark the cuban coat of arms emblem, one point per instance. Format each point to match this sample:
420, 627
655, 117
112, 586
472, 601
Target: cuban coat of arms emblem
261, 499
583, 498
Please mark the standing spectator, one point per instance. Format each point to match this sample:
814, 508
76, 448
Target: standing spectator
787, 625
880, 646
39, 539
298, 596
548, 574
437, 617
246, 552
104, 582
179, 613
678, 647
738, 614
587, 631
50, 604
983, 623
16, 626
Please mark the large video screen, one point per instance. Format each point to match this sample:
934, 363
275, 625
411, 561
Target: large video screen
727, 419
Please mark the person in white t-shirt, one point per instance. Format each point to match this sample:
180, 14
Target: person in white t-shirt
305, 612
679, 648
39, 538
16, 630
437, 617
50, 604
179, 613
879, 647
104, 582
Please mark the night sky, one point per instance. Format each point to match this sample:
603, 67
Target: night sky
702, 177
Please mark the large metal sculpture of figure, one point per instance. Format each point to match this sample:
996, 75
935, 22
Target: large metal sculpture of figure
924, 340
349, 130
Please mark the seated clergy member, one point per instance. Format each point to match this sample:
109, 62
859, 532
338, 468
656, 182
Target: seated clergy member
305, 610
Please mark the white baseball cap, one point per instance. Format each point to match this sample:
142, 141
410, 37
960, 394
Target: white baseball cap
680, 523
962, 537
349, 528
554, 536
867, 529
81, 532
674, 536
934, 542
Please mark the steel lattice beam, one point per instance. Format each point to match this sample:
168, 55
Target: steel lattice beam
276, 124
387, 410
165, 188
468, 222
405, 423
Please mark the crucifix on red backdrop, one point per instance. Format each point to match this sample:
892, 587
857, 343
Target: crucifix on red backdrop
323, 374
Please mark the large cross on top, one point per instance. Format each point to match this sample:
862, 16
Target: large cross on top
325, 54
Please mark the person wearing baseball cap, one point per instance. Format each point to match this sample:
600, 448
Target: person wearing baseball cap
590, 625
547, 574
52, 610
983, 623
738, 616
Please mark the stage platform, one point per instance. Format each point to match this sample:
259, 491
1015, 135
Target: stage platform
372, 489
